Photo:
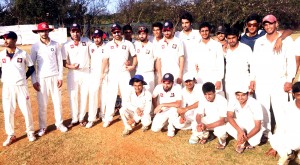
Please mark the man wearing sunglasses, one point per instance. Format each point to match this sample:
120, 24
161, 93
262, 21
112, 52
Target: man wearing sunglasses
117, 54
46, 54
77, 59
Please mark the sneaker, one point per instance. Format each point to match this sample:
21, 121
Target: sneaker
41, 132
171, 134
145, 128
193, 139
89, 124
31, 137
106, 124
62, 128
125, 132
9, 140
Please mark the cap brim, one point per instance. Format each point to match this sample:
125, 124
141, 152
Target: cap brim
131, 82
36, 31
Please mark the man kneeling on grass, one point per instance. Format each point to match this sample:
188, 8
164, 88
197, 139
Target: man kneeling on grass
210, 115
285, 141
136, 106
245, 118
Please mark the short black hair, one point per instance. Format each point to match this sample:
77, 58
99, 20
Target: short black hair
233, 31
127, 27
208, 87
136, 80
253, 17
205, 24
187, 15
157, 24
296, 87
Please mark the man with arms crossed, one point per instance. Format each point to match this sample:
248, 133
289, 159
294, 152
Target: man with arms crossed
13, 75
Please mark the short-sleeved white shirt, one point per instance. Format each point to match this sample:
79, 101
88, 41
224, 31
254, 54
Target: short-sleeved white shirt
145, 57
153, 40
190, 98
118, 55
48, 59
237, 62
297, 46
291, 119
78, 54
169, 53
213, 110
143, 101
210, 61
14, 69
267, 65
167, 97
97, 55
249, 113
189, 43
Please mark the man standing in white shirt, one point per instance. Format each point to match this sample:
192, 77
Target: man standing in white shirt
189, 38
190, 97
48, 79
145, 58
157, 33
170, 54
169, 95
97, 50
297, 54
13, 76
116, 57
137, 106
245, 117
210, 115
238, 59
77, 59
273, 72
210, 60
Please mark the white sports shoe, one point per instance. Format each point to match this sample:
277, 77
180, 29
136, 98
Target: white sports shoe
193, 139
145, 128
171, 133
89, 124
9, 140
31, 137
62, 128
126, 132
106, 124
41, 132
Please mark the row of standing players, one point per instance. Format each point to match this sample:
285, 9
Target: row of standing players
95, 65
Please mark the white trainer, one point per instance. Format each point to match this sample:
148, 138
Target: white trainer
106, 124
62, 128
171, 134
41, 132
89, 124
31, 137
193, 139
9, 140
126, 132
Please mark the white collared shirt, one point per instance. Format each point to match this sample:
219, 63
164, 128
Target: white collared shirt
118, 55
145, 57
142, 101
48, 59
297, 46
14, 69
190, 98
97, 55
167, 97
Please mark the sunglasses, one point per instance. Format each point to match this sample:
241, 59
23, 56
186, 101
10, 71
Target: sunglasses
116, 32
252, 24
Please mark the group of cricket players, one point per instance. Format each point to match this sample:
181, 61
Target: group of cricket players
214, 85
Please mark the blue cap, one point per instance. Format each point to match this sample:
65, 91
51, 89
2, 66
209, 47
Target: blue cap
137, 77
168, 77
98, 33
10, 34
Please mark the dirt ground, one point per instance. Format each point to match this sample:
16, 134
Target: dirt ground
99, 145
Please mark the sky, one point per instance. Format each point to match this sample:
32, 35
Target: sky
111, 7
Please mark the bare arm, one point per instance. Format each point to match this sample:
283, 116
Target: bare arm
158, 70
255, 130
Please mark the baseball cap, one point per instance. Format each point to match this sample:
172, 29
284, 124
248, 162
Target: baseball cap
143, 29
75, 26
138, 77
269, 18
10, 34
168, 77
188, 76
115, 27
243, 88
168, 25
42, 27
98, 33
221, 29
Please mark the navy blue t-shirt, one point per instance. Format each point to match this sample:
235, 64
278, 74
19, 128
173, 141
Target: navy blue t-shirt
250, 41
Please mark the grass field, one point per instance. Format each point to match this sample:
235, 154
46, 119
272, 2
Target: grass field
99, 145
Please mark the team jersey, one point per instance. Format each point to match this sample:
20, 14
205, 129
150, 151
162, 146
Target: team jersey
143, 101
167, 97
190, 98
145, 57
97, 55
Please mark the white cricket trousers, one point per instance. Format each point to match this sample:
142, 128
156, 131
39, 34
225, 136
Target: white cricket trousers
149, 79
11, 94
78, 83
283, 143
219, 131
127, 114
115, 81
247, 127
48, 85
95, 88
169, 115
271, 93
189, 118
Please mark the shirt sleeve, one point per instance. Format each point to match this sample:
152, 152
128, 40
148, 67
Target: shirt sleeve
64, 52
257, 111
131, 49
297, 46
156, 91
28, 60
33, 56
222, 107
178, 94
106, 51
148, 103
59, 62
180, 49
291, 62
220, 62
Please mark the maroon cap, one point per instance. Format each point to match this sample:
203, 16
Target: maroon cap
42, 27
